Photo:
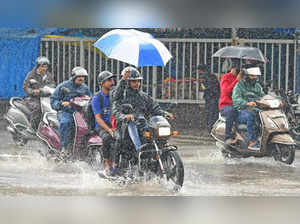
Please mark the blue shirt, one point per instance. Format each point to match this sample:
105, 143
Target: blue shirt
105, 111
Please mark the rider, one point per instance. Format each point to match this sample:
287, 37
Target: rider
60, 101
130, 93
42, 77
227, 83
246, 105
101, 109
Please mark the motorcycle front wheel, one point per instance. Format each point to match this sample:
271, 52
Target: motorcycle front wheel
284, 153
19, 141
174, 168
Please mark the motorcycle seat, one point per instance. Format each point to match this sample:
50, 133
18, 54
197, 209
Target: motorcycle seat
20, 104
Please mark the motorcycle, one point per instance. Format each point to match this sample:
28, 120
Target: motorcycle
292, 110
275, 139
86, 145
148, 149
18, 116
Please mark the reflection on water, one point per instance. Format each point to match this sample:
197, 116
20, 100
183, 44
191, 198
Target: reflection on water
23, 171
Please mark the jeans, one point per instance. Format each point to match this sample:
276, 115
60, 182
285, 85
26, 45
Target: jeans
109, 147
231, 114
66, 126
249, 117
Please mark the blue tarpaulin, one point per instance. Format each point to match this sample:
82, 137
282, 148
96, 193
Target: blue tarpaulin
18, 50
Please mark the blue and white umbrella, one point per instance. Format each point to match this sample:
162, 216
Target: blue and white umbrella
134, 47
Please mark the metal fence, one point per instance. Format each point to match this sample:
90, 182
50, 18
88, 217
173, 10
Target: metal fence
177, 82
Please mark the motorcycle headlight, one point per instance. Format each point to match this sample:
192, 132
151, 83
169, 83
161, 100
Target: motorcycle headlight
164, 131
274, 103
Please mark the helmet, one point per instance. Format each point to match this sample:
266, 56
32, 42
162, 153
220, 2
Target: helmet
134, 73
254, 71
42, 61
104, 76
79, 72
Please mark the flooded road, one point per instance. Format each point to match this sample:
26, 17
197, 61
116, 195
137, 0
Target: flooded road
24, 172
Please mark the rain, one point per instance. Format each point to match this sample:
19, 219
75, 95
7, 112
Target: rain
179, 88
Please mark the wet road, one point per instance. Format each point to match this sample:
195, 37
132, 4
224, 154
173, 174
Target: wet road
24, 172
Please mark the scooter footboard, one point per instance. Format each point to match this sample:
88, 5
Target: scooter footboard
283, 138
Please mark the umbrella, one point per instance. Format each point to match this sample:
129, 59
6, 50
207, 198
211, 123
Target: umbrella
133, 47
250, 53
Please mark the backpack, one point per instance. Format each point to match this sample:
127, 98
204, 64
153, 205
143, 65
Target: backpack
90, 117
89, 114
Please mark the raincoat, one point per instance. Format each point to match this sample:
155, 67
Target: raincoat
65, 114
240, 90
33, 101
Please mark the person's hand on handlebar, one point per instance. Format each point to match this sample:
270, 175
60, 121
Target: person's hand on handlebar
129, 117
170, 115
251, 104
66, 104
36, 92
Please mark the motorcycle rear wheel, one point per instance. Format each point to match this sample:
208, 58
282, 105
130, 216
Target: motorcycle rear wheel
95, 159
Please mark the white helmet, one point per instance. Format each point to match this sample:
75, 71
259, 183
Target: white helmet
79, 72
254, 71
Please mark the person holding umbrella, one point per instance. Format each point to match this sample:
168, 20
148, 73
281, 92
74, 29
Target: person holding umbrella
227, 83
128, 92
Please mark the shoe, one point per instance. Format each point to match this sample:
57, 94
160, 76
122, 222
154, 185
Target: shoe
105, 174
231, 141
112, 170
255, 147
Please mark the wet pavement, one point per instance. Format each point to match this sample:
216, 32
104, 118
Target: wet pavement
24, 172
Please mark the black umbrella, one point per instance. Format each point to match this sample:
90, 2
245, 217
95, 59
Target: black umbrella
250, 53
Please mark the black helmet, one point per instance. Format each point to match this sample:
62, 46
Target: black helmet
42, 61
134, 73
79, 72
104, 76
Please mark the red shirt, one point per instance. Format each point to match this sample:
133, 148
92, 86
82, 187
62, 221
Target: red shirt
227, 84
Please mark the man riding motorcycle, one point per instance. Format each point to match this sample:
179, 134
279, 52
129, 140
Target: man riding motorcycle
42, 77
60, 101
143, 105
246, 105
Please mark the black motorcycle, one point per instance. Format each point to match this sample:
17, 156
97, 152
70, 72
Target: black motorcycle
292, 110
144, 146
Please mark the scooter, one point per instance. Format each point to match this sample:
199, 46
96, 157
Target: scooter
274, 137
86, 145
18, 116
